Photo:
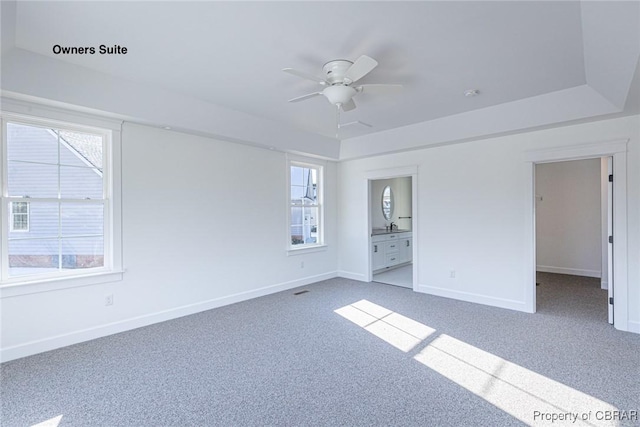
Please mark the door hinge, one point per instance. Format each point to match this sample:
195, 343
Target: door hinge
611, 300
611, 178
610, 239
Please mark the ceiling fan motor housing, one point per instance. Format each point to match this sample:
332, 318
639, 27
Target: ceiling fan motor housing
335, 70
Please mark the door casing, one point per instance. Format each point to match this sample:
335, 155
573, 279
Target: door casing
399, 172
618, 151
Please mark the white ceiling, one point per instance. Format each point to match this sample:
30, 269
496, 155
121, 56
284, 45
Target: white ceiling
230, 54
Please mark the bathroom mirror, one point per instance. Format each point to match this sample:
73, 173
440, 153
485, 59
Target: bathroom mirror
387, 203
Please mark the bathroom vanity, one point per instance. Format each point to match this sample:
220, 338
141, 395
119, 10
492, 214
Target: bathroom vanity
390, 249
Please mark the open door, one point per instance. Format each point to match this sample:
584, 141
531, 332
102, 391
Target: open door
610, 234
613, 155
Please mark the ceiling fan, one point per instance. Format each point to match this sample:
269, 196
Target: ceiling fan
340, 76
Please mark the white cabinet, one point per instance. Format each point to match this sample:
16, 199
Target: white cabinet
392, 252
406, 249
378, 257
391, 249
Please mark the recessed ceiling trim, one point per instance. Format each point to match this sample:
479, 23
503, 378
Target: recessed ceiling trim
570, 104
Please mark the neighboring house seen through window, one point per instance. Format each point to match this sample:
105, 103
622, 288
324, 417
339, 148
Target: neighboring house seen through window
305, 190
60, 231
19, 216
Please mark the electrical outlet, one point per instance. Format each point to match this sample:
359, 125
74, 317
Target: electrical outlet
108, 300
452, 274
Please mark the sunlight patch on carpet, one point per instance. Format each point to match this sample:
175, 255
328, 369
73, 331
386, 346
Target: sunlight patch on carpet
523, 394
401, 332
51, 422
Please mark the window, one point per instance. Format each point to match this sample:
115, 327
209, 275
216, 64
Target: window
305, 210
64, 227
19, 216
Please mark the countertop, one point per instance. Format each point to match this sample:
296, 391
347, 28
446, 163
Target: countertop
379, 231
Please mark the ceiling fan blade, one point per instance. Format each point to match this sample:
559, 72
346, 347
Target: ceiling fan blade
351, 105
303, 97
379, 88
359, 69
357, 122
304, 75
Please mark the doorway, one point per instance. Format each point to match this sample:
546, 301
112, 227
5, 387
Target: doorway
392, 231
573, 210
618, 283
391, 226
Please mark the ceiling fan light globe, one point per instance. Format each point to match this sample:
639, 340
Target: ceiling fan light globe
339, 94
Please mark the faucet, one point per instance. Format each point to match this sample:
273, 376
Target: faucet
392, 225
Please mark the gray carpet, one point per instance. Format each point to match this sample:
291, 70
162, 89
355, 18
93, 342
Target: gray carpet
291, 360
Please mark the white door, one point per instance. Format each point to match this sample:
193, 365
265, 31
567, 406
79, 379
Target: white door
610, 234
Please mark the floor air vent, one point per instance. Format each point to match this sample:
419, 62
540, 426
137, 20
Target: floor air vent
301, 292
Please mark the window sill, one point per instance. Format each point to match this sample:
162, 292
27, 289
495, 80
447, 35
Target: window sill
26, 286
306, 250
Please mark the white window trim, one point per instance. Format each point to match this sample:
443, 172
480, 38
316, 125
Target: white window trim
12, 215
36, 114
292, 160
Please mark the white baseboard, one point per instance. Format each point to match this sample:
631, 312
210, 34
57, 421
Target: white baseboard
604, 284
75, 337
633, 326
475, 298
354, 276
571, 271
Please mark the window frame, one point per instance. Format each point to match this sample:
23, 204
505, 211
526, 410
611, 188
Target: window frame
295, 161
27, 113
12, 216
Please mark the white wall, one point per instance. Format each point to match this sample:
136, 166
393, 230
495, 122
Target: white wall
190, 233
401, 188
204, 224
472, 212
568, 217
